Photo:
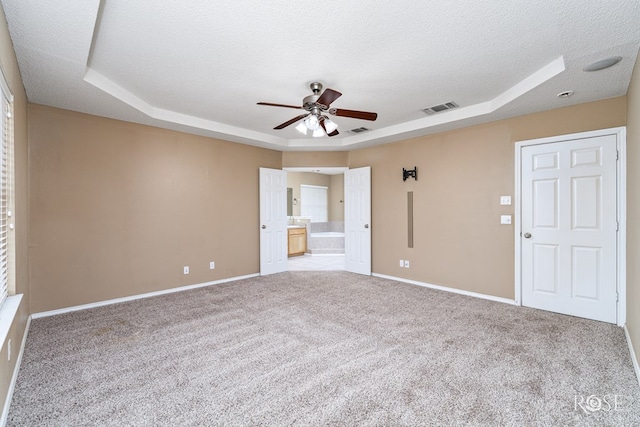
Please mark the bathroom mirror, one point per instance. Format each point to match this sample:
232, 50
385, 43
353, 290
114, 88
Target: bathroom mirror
289, 201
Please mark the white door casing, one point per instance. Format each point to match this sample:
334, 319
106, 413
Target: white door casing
357, 220
567, 245
273, 221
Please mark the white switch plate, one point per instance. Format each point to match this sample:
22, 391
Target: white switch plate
401, 263
185, 269
505, 219
406, 263
505, 200
212, 265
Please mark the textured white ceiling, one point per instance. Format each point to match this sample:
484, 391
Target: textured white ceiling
201, 66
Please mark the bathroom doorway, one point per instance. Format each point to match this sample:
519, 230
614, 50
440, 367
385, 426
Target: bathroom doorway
315, 206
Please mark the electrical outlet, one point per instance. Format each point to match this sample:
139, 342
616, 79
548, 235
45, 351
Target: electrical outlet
406, 263
212, 265
505, 219
186, 269
401, 263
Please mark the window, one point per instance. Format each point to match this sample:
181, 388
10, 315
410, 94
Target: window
313, 203
6, 132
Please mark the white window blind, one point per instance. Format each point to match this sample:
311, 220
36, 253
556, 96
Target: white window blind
313, 202
5, 144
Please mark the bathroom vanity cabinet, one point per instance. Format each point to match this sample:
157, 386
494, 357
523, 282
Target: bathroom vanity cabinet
297, 240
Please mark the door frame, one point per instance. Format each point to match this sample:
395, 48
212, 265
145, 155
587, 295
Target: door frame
621, 238
318, 169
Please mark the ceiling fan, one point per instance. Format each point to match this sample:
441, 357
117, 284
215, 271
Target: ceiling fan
315, 121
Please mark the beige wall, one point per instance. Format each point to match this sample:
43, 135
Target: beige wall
118, 208
335, 192
20, 282
291, 159
336, 198
633, 209
458, 239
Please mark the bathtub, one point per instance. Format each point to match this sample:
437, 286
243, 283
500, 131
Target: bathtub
326, 242
327, 234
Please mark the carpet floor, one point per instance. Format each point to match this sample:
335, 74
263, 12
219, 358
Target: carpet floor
322, 349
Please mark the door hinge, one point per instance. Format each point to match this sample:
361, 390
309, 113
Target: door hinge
617, 226
617, 297
617, 155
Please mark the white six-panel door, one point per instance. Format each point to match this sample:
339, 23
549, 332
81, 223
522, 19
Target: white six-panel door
357, 220
273, 221
569, 227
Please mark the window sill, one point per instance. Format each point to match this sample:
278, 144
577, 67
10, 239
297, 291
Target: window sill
8, 313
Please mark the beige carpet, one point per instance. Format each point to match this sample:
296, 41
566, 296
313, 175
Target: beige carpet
326, 349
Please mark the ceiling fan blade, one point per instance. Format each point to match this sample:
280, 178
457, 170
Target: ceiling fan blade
328, 96
279, 105
287, 123
354, 114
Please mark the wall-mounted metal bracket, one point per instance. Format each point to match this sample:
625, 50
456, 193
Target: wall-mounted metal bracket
410, 173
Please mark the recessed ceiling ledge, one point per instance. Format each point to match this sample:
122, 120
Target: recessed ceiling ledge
387, 134
225, 131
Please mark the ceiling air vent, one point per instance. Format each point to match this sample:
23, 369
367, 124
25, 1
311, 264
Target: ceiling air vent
358, 130
442, 107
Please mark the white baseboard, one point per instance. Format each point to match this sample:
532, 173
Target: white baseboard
14, 377
634, 358
447, 289
136, 297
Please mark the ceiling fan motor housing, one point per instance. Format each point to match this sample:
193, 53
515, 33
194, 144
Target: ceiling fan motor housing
309, 102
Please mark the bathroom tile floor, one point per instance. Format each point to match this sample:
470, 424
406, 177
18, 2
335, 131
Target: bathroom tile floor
318, 262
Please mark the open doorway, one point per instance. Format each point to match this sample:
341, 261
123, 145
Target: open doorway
315, 218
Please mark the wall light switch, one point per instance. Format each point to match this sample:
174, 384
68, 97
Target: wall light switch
505, 200
185, 269
505, 219
401, 263
406, 263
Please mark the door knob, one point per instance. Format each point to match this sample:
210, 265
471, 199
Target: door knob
366, 226
264, 226
527, 235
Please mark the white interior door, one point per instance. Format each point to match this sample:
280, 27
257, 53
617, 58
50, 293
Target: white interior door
357, 220
569, 227
273, 221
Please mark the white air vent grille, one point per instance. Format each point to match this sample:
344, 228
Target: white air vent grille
441, 107
358, 130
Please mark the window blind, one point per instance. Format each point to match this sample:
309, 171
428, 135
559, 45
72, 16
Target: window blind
313, 203
7, 133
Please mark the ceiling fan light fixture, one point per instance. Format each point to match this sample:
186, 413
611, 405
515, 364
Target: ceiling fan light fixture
302, 128
318, 132
312, 122
330, 125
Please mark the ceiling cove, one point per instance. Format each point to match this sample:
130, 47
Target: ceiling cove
377, 136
